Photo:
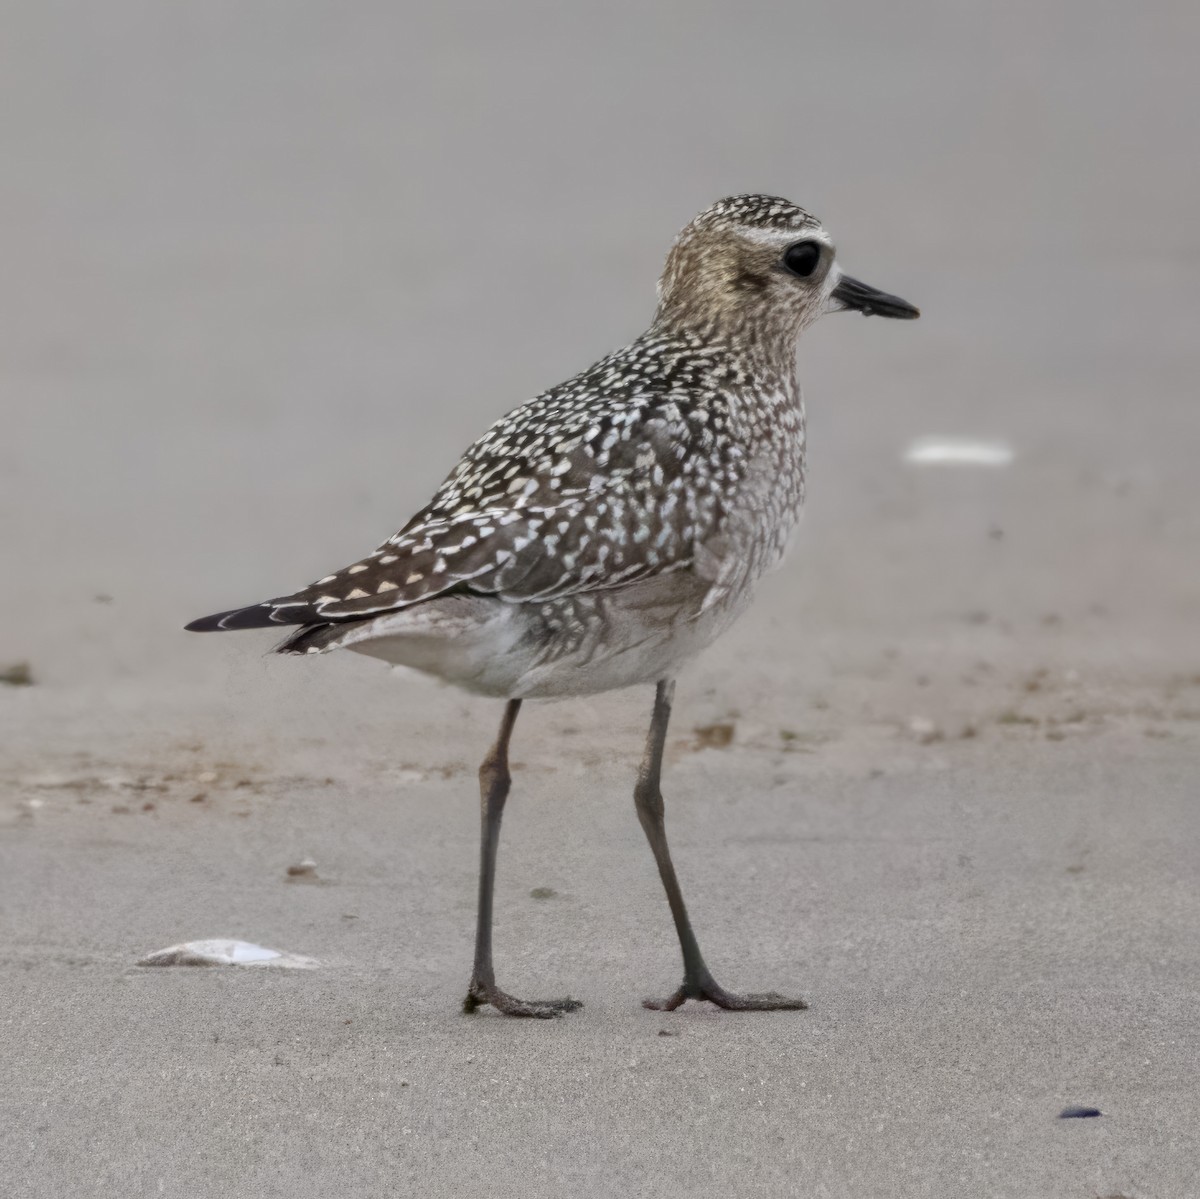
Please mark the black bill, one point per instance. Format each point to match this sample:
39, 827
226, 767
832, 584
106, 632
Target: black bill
850, 293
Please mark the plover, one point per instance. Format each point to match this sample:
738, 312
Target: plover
604, 533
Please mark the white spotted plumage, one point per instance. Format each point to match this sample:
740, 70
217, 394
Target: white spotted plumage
598, 534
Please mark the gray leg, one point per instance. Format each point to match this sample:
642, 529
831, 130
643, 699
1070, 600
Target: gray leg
494, 783
698, 982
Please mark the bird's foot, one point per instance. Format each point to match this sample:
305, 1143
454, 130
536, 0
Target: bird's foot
479, 994
708, 988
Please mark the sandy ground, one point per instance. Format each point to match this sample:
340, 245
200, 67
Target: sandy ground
267, 270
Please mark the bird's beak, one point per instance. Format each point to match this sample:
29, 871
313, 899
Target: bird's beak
850, 293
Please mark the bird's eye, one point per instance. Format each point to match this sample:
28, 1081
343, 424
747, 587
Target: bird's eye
802, 258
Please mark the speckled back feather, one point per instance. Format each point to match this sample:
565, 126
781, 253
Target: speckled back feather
618, 474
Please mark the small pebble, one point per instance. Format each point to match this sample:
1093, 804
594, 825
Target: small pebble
1079, 1113
543, 893
924, 729
715, 736
303, 872
18, 674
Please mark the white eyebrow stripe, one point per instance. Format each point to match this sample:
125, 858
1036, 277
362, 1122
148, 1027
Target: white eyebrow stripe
784, 237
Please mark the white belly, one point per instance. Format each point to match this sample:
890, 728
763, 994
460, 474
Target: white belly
600, 641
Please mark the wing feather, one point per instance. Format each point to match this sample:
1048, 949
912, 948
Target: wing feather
579, 490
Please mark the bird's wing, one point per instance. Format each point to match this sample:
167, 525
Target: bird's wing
551, 501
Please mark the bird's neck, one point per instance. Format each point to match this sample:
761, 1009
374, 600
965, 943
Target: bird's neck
759, 352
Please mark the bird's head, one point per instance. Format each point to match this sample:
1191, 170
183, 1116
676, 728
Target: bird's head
759, 267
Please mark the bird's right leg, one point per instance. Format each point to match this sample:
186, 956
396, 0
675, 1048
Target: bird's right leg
494, 783
698, 982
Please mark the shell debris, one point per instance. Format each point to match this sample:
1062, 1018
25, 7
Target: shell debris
957, 451
219, 952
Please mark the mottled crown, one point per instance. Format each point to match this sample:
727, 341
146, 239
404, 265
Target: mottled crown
721, 276
756, 212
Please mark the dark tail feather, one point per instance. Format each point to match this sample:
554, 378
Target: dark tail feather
257, 616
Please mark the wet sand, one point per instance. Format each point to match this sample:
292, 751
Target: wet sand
268, 273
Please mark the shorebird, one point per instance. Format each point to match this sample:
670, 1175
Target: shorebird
604, 533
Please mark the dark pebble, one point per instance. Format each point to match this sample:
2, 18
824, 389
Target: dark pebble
1079, 1113
17, 675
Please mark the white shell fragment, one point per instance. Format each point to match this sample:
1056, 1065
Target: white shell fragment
957, 451
225, 953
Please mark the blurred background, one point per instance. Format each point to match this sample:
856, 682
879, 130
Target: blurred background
269, 267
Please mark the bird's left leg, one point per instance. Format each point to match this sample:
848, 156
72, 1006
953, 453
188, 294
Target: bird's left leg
494, 783
698, 982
